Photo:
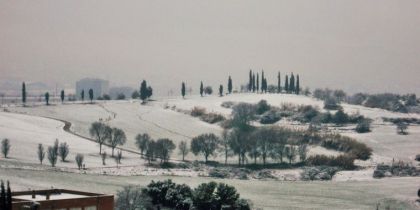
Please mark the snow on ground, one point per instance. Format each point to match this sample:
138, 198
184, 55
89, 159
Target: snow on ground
160, 122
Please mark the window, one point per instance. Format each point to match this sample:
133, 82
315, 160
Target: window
90, 208
77, 208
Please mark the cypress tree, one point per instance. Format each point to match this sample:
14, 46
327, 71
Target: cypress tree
144, 93
47, 98
262, 81
297, 85
253, 83
265, 85
91, 95
62, 96
23, 93
250, 81
183, 90
292, 84
2, 196
201, 89
258, 82
230, 85
278, 83
9, 197
286, 85
221, 90
82, 94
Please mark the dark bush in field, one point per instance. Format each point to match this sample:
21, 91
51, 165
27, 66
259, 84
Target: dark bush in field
342, 161
400, 169
262, 106
363, 126
212, 117
348, 145
270, 117
198, 111
318, 173
418, 157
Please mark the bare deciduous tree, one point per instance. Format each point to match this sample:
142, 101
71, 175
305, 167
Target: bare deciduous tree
183, 149
142, 141
52, 156
100, 132
63, 151
116, 137
79, 160
103, 156
41, 153
5, 147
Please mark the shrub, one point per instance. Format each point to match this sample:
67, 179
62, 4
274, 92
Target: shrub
218, 173
331, 103
348, 145
318, 173
262, 107
79, 160
212, 117
63, 151
270, 117
342, 161
135, 197
228, 104
5, 147
198, 111
396, 169
418, 157
402, 128
363, 126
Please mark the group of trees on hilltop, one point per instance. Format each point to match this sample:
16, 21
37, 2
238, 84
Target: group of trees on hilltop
254, 82
104, 134
152, 149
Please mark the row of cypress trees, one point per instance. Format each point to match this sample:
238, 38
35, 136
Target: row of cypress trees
5, 196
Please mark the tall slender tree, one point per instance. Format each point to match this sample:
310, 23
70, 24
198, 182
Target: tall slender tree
91, 95
262, 81
250, 81
279, 83
201, 89
47, 98
144, 93
23, 93
62, 96
297, 85
253, 83
82, 95
9, 197
2, 196
286, 85
258, 82
292, 84
230, 85
183, 90
221, 90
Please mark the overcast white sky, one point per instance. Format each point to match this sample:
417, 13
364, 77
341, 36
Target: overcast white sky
356, 45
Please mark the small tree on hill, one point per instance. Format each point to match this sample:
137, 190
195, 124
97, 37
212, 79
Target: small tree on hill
208, 90
278, 83
205, 144
91, 95
183, 149
116, 137
118, 157
286, 84
63, 151
100, 132
201, 89
41, 153
52, 156
221, 90
103, 157
5, 147
183, 90
297, 85
23, 93
47, 98
142, 142
82, 95
144, 94
230, 85
135, 94
79, 160
303, 150
402, 128
62, 96
164, 148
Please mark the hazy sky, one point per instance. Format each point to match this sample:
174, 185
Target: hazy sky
357, 45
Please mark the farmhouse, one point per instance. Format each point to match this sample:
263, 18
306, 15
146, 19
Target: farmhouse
60, 199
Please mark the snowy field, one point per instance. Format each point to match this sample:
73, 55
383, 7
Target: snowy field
26, 127
159, 122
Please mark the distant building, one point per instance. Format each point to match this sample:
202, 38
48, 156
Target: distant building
61, 199
99, 87
115, 91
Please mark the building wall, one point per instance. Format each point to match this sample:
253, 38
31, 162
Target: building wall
100, 202
99, 87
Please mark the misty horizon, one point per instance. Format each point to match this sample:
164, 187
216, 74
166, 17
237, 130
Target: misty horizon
356, 46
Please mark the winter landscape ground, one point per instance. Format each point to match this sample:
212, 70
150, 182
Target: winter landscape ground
26, 127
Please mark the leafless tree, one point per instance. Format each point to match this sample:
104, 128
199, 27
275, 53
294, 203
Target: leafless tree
79, 160
41, 153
